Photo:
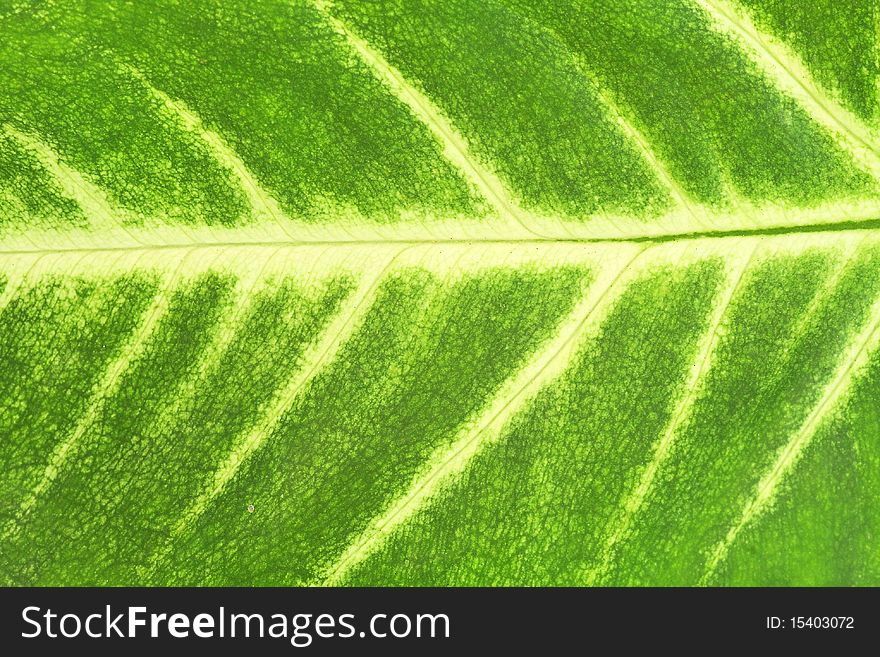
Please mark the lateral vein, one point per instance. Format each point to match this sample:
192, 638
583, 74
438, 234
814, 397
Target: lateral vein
679, 195
104, 390
262, 204
790, 75
455, 146
90, 198
681, 413
323, 351
855, 358
549, 362
242, 297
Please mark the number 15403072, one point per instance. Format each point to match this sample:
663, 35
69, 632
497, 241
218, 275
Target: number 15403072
810, 622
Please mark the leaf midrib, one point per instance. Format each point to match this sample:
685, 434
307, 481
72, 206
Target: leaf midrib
836, 227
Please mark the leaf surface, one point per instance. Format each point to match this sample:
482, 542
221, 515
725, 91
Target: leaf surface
465, 293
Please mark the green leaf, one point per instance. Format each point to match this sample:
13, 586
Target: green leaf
470, 293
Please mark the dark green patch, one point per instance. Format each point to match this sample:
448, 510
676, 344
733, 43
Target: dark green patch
99, 471
824, 526
312, 122
64, 87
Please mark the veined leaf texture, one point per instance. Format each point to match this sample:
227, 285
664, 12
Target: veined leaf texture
475, 292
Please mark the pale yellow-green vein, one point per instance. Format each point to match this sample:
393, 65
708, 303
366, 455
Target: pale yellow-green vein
545, 365
854, 358
321, 352
737, 266
785, 69
455, 146
103, 391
